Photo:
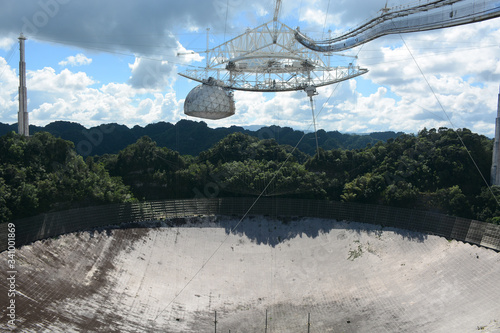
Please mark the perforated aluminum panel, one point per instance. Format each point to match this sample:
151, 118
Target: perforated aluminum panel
209, 102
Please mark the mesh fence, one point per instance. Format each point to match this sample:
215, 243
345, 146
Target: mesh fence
54, 224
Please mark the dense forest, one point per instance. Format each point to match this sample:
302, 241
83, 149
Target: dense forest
190, 137
44, 173
431, 171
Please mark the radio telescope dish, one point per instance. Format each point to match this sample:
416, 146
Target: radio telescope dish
209, 101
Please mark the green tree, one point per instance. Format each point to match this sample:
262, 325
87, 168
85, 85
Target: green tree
366, 189
400, 194
241, 147
452, 201
487, 205
149, 170
252, 177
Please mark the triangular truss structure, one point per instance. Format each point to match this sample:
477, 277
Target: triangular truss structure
269, 59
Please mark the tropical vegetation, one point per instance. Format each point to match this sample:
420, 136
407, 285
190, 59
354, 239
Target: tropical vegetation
441, 170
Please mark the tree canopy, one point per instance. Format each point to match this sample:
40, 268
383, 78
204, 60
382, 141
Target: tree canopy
42, 173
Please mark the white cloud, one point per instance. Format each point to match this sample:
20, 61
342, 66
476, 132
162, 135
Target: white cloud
156, 74
78, 60
6, 43
150, 74
70, 96
48, 81
8, 92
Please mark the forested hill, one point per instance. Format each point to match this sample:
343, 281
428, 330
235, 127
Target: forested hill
191, 138
432, 171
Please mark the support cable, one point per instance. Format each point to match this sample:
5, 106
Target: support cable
290, 155
314, 122
449, 120
311, 91
300, 12
230, 231
225, 23
242, 218
326, 18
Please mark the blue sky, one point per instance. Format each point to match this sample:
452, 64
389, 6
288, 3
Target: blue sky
96, 62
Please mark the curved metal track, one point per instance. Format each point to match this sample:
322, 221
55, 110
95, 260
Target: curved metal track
430, 15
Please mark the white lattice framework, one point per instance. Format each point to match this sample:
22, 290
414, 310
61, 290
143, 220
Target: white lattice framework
269, 58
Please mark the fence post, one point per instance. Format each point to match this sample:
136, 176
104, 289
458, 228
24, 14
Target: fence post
265, 327
308, 322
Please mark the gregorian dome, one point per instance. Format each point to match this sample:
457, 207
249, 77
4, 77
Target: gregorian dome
209, 101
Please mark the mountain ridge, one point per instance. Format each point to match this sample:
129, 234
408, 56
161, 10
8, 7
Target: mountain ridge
192, 137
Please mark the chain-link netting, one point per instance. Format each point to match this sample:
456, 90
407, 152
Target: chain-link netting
54, 224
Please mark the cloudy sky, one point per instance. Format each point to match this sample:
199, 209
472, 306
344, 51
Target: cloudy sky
96, 62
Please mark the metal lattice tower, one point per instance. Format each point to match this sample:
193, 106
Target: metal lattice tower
22, 117
495, 165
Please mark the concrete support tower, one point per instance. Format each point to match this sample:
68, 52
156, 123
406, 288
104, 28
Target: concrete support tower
22, 116
495, 165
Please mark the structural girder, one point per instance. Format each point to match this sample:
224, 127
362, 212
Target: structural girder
269, 58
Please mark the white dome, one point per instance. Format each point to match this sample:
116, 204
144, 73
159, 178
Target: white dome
209, 102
